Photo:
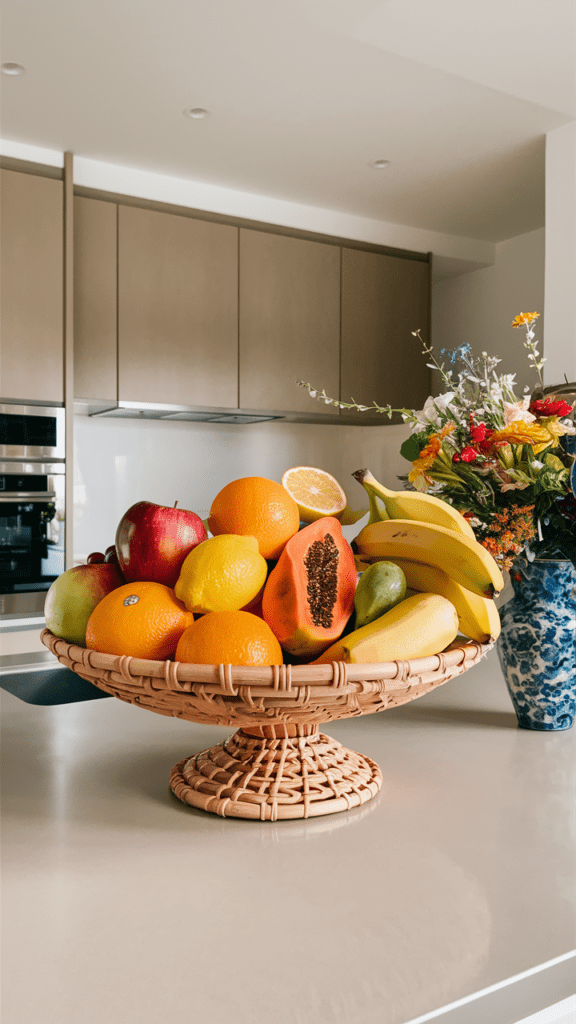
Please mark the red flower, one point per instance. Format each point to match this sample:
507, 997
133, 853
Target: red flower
468, 455
480, 436
547, 407
478, 433
456, 457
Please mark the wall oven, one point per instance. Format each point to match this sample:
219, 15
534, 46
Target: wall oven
32, 504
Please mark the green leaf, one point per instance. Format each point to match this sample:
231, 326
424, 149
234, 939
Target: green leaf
411, 447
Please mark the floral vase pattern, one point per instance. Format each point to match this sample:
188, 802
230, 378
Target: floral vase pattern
537, 645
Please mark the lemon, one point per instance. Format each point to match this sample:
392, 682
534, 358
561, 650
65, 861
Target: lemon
221, 574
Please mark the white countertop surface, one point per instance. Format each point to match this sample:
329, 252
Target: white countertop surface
449, 896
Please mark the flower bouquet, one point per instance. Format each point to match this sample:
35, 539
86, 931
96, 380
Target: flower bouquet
495, 457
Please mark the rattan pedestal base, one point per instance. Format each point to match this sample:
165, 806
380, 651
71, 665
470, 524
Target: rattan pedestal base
276, 772
268, 771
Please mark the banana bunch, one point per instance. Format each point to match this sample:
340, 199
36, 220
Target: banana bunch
425, 508
436, 549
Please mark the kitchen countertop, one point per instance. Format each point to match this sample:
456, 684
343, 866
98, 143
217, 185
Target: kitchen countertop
449, 896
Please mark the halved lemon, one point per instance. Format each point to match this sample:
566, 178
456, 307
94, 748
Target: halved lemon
316, 493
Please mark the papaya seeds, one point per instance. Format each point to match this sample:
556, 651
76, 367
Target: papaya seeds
309, 595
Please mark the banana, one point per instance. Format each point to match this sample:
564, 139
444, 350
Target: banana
463, 559
478, 617
417, 627
425, 508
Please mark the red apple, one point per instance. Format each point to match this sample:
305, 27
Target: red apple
73, 597
152, 541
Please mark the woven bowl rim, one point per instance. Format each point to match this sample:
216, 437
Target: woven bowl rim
462, 651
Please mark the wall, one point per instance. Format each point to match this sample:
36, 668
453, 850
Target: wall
560, 280
479, 307
120, 462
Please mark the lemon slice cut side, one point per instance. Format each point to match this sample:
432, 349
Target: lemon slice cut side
315, 491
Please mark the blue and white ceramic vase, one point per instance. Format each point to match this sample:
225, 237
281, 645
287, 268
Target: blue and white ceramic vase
537, 645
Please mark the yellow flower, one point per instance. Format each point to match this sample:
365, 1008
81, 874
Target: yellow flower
519, 432
524, 318
554, 427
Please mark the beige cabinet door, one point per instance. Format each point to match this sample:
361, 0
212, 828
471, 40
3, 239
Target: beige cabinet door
384, 299
32, 239
289, 321
95, 299
177, 309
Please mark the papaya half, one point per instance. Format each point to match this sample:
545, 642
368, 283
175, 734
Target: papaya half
309, 595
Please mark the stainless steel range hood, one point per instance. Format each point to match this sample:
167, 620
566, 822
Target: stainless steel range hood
178, 413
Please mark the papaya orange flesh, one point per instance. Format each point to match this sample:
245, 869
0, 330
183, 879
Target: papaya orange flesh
309, 595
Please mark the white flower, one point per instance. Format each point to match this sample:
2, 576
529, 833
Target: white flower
514, 411
435, 409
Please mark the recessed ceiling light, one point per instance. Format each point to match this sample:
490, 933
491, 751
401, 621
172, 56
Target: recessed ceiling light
196, 113
380, 164
11, 68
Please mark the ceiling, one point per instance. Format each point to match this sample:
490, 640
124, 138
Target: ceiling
303, 95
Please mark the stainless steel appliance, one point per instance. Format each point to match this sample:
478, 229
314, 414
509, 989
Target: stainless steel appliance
32, 432
32, 504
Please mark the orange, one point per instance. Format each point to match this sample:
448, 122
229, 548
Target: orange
144, 620
316, 493
229, 638
256, 507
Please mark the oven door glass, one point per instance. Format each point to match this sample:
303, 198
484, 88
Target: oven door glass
32, 511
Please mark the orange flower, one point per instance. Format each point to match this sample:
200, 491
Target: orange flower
524, 318
446, 429
426, 458
509, 531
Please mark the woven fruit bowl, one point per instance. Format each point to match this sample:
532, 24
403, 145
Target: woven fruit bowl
277, 764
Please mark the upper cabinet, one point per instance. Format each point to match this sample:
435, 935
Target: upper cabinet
384, 299
95, 298
177, 309
171, 309
289, 321
32, 230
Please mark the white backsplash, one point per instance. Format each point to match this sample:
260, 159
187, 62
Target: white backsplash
120, 462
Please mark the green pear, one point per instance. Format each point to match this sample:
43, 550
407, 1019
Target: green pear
380, 587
